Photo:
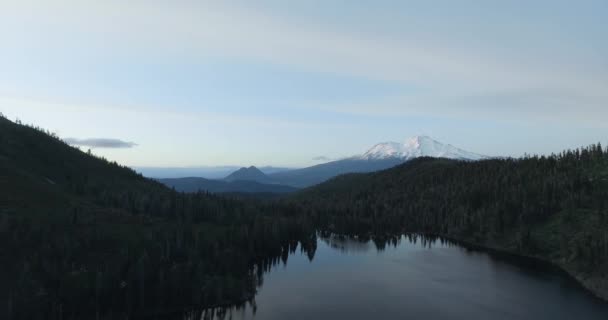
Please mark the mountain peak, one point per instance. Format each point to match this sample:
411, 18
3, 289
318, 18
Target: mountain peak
251, 173
417, 141
415, 147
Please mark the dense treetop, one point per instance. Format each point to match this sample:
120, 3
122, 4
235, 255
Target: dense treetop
87, 238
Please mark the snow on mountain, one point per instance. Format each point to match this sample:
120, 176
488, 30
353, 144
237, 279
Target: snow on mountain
415, 147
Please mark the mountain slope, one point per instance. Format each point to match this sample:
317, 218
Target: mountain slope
86, 238
194, 184
379, 157
309, 176
48, 160
248, 174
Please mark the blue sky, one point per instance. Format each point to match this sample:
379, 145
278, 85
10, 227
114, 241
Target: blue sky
194, 83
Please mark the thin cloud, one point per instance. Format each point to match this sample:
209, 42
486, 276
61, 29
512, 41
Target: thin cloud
322, 158
100, 143
447, 70
237, 31
525, 106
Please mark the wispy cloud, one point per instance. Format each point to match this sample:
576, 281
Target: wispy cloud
100, 143
322, 158
523, 106
435, 62
480, 68
214, 28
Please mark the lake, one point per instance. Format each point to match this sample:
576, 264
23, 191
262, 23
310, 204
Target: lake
415, 278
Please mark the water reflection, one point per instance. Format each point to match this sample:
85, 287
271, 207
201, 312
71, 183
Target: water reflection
409, 277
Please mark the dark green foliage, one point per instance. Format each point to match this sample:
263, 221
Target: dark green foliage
85, 238
244, 187
552, 207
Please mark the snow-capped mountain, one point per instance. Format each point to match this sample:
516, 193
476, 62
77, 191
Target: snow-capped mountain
379, 157
415, 147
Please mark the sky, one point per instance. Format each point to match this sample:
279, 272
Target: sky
293, 83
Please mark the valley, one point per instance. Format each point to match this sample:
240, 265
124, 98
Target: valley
93, 235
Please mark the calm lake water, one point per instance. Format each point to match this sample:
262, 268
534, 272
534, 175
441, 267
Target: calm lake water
352, 280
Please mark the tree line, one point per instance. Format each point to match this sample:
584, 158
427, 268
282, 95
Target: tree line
553, 207
85, 238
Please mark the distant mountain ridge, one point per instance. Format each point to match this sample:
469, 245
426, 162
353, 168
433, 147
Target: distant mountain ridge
207, 172
246, 180
195, 184
381, 156
248, 174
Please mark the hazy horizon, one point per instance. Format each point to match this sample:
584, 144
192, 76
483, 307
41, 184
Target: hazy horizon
205, 83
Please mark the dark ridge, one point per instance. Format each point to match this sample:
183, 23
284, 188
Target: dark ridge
194, 184
248, 174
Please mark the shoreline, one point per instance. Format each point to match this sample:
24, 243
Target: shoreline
599, 290
596, 286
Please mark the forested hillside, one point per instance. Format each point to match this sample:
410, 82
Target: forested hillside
85, 238
555, 208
